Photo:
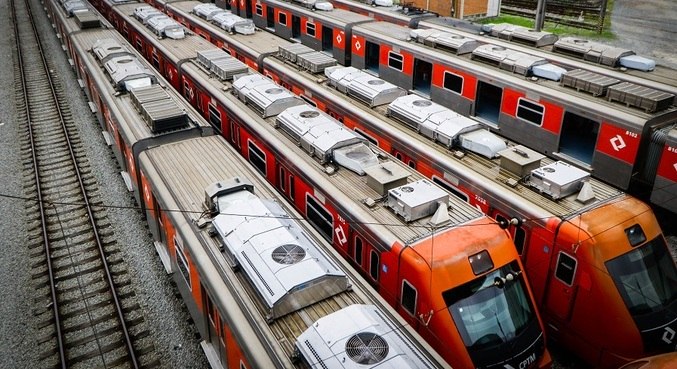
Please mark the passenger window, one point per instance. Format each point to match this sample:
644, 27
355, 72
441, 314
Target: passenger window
358, 251
257, 157
310, 29
395, 61
566, 268
259, 9
320, 217
182, 261
373, 265
409, 298
530, 111
453, 82
214, 116
282, 18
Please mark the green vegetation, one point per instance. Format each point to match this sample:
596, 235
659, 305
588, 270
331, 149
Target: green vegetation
558, 29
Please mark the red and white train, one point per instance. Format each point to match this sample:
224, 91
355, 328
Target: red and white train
573, 313
264, 289
430, 261
616, 124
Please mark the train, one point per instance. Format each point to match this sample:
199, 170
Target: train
574, 314
263, 287
391, 242
609, 119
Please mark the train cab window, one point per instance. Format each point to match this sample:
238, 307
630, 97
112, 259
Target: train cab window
566, 268
395, 61
310, 29
319, 217
371, 57
182, 261
259, 10
409, 296
282, 18
373, 264
530, 111
214, 116
454, 191
578, 137
257, 157
358, 251
520, 239
367, 136
452, 82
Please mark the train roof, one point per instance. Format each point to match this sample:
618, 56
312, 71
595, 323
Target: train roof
87, 19
349, 189
399, 13
257, 44
662, 78
182, 174
337, 17
629, 117
133, 125
457, 162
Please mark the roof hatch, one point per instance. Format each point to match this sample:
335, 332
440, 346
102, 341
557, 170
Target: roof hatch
363, 86
358, 336
416, 200
325, 138
287, 269
263, 94
159, 111
451, 42
445, 126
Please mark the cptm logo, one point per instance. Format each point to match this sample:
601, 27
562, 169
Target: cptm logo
617, 143
524, 364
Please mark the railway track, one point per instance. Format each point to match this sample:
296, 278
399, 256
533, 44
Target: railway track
85, 307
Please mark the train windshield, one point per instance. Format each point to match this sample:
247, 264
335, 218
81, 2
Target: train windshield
645, 277
496, 318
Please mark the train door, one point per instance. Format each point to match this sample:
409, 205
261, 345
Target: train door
213, 325
488, 102
327, 39
371, 57
270, 17
423, 72
296, 27
248, 9
578, 137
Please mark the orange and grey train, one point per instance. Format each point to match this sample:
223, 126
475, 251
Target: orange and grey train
264, 289
451, 272
577, 306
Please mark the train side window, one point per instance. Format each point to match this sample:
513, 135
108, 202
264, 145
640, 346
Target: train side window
453, 82
282, 179
566, 268
366, 135
358, 251
409, 297
412, 164
398, 156
530, 111
310, 29
454, 191
395, 61
319, 217
373, 264
182, 262
242, 366
291, 187
257, 157
186, 94
282, 18
139, 44
214, 116
156, 61
235, 134
259, 10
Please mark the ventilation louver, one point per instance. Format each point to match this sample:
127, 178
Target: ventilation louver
557, 180
523, 35
221, 64
506, 59
603, 54
263, 95
75, 6
358, 336
292, 51
287, 269
315, 62
364, 87
456, 44
646, 98
234, 23
208, 11
108, 48
159, 110
587, 81
145, 13
87, 19
325, 138
127, 73
443, 125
